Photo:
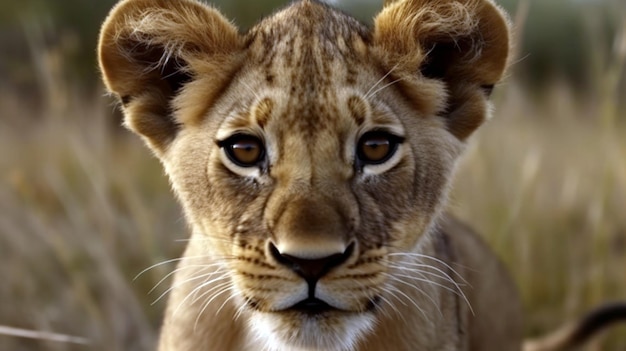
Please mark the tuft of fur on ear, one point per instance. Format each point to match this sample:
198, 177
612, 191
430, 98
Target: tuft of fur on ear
463, 44
150, 49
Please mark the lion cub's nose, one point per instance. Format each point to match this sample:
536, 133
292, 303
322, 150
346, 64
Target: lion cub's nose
311, 269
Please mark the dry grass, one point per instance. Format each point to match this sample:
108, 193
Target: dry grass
547, 188
84, 208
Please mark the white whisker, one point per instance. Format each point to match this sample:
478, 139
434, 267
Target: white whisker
443, 275
396, 290
383, 289
392, 294
423, 273
367, 95
203, 284
211, 299
394, 278
168, 261
204, 267
209, 291
417, 255
239, 311
428, 281
391, 305
383, 87
232, 296
198, 288
459, 292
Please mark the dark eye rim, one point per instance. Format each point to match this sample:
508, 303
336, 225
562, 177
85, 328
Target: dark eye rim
227, 144
394, 141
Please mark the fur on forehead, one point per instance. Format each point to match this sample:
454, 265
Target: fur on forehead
311, 17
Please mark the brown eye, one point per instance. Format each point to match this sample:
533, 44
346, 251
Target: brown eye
244, 150
377, 147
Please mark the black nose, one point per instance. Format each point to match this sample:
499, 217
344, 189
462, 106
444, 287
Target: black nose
311, 269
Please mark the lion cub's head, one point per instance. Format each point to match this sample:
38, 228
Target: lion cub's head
311, 152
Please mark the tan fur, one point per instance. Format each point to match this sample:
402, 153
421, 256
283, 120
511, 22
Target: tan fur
308, 82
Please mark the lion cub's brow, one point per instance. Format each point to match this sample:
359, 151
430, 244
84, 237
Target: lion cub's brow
307, 52
309, 44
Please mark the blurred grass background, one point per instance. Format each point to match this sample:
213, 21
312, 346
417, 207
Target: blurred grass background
84, 207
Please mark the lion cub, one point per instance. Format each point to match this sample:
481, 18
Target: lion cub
313, 157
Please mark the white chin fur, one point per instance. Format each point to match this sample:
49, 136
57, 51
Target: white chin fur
340, 332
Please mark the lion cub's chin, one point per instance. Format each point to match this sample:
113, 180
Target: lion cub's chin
289, 330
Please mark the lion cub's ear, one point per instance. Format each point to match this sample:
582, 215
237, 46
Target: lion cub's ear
150, 49
463, 44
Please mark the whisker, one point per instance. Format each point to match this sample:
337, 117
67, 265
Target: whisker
426, 280
199, 287
209, 291
240, 311
410, 300
366, 287
443, 275
459, 292
180, 269
391, 305
383, 298
393, 294
168, 261
383, 87
226, 301
451, 280
179, 284
388, 291
207, 303
367, 95
394, 278
423, 278
418, 255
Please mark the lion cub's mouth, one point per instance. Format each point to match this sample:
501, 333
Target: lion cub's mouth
312, 306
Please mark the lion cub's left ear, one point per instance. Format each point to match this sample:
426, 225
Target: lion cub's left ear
463, 44
150, 49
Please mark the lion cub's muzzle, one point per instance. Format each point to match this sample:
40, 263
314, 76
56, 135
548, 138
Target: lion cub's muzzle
311, 270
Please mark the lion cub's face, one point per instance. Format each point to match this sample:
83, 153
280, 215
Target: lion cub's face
311, 154
303, 176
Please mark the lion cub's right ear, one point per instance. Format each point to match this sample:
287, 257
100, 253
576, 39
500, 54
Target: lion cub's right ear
149, 50
461, 44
